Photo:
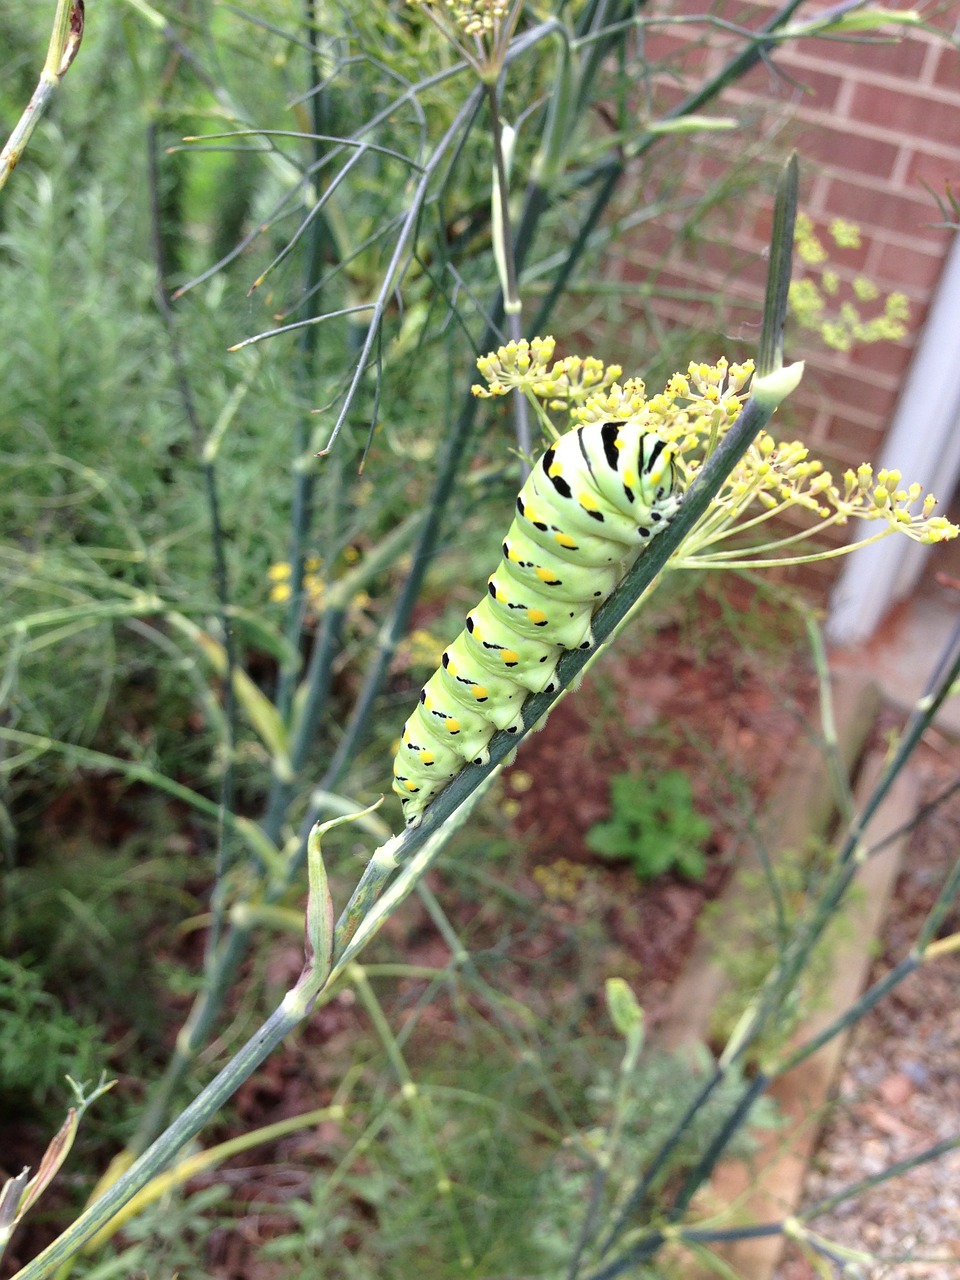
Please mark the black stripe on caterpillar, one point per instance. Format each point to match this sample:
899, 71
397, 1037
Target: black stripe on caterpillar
588, 509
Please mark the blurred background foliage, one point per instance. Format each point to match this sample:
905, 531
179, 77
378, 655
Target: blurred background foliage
163, 497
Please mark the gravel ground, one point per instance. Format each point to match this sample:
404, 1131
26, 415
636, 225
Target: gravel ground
899, 1090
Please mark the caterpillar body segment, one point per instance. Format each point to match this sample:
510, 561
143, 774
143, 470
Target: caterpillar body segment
529, 663
553, 573
453, 724
532, 613
500, 698
588, 509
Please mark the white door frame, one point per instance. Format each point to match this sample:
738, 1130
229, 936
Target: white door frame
924, 444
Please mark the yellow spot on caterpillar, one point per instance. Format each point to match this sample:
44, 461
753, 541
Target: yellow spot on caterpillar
564, 540
537, 617
428, 704
410, 786
501, 598
453, 726
555, 470
547, 575
630, 478
427, 757
451, 668
510, 656
513, 554
587, 501
480, 692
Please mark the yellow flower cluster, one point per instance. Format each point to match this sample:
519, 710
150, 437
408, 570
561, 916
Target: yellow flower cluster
475, 17
693, 412
774, 477
560, 881
882, 498
314, 586
776, 474
530, 367
811, 301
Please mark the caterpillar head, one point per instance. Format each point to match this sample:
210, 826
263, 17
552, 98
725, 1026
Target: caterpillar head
659, 479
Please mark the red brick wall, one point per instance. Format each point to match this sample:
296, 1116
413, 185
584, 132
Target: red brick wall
878, 119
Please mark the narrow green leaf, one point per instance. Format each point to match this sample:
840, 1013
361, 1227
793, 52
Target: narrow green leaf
692, 124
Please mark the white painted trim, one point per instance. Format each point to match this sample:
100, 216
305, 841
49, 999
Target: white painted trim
924, 444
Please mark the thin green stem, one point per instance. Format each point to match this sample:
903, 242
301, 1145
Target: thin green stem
415, 1102
512, 304
759, 552
705, 1166
855, 1189
839, 773
909, 964
504, 244
609, 174
65, 37
728, 1235
395, 268
304, 478
218, 544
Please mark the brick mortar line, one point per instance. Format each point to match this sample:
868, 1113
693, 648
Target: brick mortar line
793, 61
878, 133
876, 244
835, 118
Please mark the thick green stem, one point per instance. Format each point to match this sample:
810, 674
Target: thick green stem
158, 1156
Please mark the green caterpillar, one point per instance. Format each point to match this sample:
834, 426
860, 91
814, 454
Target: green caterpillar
586, 512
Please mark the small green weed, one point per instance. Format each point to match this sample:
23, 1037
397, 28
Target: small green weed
653, 825
42, 1043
